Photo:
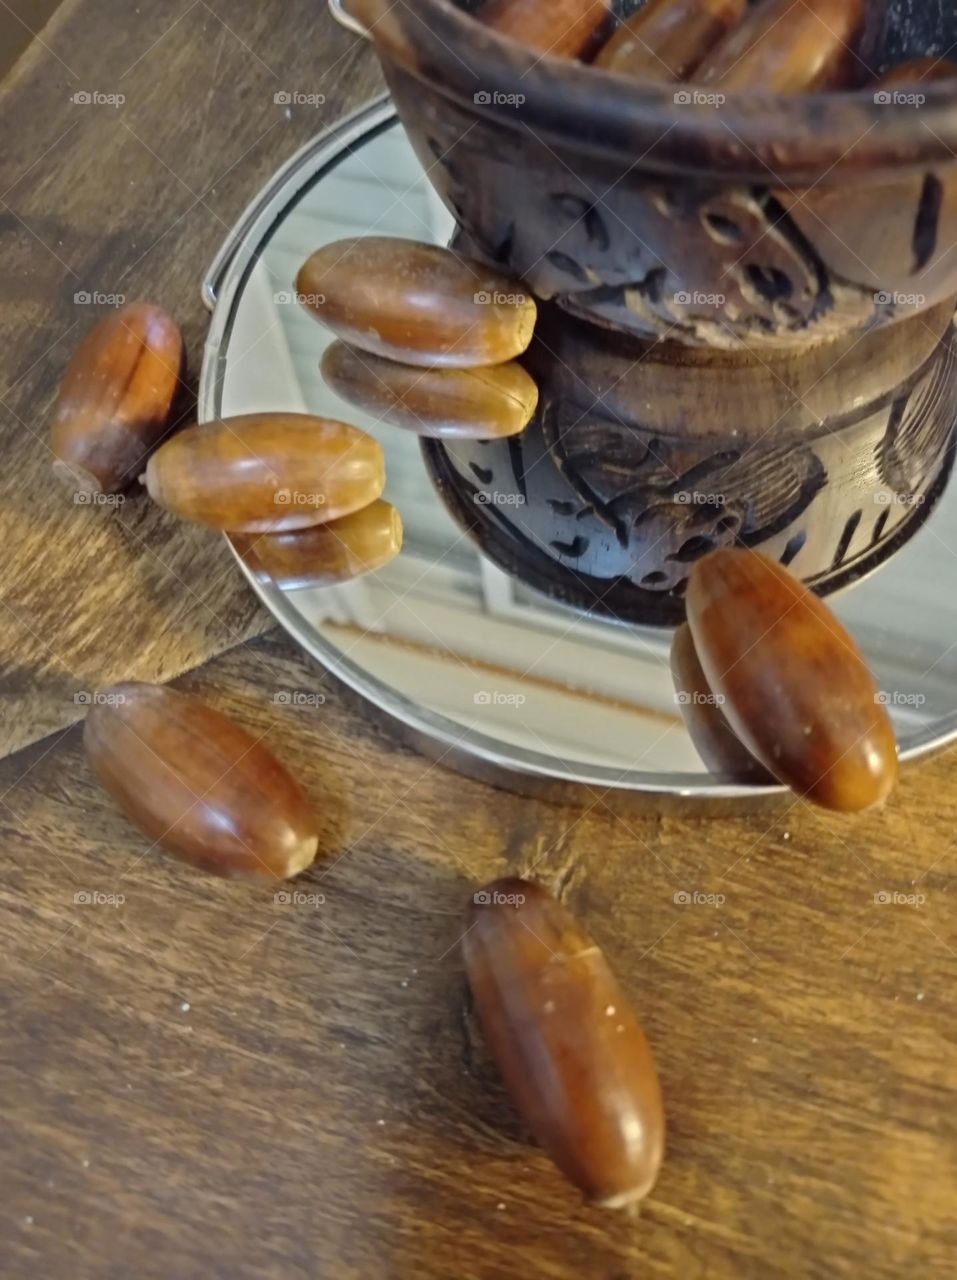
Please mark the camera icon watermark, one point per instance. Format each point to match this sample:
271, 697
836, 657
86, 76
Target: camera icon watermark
692, 898
489, 98
288, 298
83, 498
83, 298
91, 698
94, 98
698, 98
296, 898
692, 498
294, 98
688, 298
296, 498
498, 499
891, 898
93, 898
897, 698
886, 298
487, 898
496, 298
899, 98
298, 698
899, 499
696, 699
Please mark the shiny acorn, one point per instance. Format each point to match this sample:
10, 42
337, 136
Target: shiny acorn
787, 46
198, 784
575, 1062
667, 39
324, 554
920, 71
715, 741
267, 472
797, 690
560, 28
116, 398
480, 404
417, 303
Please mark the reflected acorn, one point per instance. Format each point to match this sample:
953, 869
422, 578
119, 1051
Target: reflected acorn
324, 554
442, 403
797, 690
560, 28
417, 303
715, 741
198, 784
575, 1062
667, 39
783, 46
116, 398
267, 472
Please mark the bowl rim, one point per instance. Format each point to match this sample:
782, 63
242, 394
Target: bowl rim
772, 139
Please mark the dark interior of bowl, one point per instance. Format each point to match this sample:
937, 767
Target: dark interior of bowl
911, 28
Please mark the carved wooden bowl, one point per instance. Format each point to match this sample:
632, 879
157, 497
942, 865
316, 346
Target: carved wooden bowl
767, 222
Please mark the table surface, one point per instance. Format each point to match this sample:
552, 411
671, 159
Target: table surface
201, 1082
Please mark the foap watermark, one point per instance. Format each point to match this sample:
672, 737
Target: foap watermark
296, 898
295, 98
498, 500
891, 898
298, 698
288, 298
897, 698
889, 298
697, 699
496, 298
296, 498
692, 498
492, 98
899, 98
693, 898
94, 98
93, 898
83, 498
689, 298
91, 698
493, 898
698, 98
83, 298
495, 698
899, 499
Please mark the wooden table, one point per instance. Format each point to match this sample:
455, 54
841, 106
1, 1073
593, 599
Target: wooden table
201, 1082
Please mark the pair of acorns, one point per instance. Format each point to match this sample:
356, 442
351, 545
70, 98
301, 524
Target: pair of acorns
779, 46
428, 341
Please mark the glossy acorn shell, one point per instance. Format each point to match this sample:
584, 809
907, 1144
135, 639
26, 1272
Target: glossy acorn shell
417, 303
574, 1060
798, 692
116, 398
667, 39
198, 784
787, 46
559, 28
481, 404
324, 554
267, 472
715, 741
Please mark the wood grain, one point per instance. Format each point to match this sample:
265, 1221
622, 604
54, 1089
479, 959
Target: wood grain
804, 1033
135, 200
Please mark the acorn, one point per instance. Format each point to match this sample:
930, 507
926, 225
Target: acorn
560, 28
787, 46
573, 1057
417, 303
716, 742
196, 783
116, 399
324, 555
482, 404
266, 472
796, 690
667, 39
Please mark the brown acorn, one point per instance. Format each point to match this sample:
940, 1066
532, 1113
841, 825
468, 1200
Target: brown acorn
324, 554
787, 46
574, 1060
116, 398
667, 39
797, 691
716, 742
417, 303
196, 783
560, 28
481, 404
267, 472
920, 71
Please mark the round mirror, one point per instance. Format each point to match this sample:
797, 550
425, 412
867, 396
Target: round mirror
488, 674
